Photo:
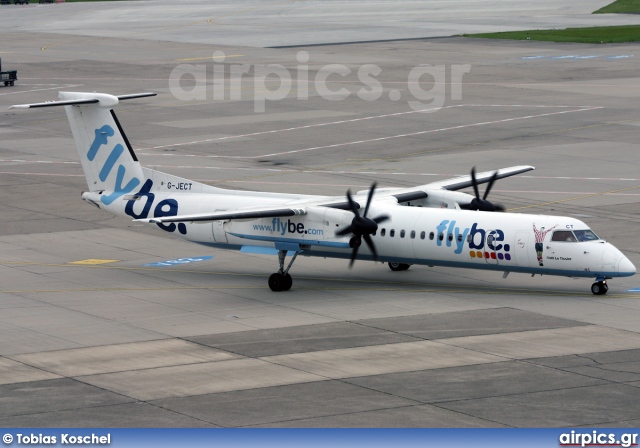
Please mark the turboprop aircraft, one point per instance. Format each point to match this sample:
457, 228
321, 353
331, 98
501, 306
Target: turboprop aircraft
432, 224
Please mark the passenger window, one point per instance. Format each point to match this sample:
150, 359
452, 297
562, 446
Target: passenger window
563, 235
450, 237
469, 238
383, 232
392, 233
460, 238
402, 233
422, 235
441, 236
413, 234
431, 235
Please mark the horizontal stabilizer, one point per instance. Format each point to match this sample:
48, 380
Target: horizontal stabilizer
80, 98
55, 103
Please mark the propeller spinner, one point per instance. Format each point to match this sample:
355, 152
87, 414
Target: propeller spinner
362, 227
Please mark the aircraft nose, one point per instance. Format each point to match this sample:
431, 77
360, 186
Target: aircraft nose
625, 267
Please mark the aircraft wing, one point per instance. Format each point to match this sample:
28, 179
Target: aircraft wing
298, 208
458, 183
453, 184
267, 212
396, 195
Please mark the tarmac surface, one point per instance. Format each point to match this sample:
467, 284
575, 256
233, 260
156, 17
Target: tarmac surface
96, 331
273, 23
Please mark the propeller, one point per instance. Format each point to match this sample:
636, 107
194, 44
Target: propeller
482, 204
362, 227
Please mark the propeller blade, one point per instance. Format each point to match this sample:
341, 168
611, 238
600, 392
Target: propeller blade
346, 230
491, 181
474, 182
352, 204
381, 218
354, 254
372, 247
371, 191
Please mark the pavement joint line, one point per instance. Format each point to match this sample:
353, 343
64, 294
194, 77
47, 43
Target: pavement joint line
574, 198
370, 289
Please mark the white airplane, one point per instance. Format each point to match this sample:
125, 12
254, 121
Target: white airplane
430, 224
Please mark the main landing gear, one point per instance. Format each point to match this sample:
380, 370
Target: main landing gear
281, 280
399, 266
600, 288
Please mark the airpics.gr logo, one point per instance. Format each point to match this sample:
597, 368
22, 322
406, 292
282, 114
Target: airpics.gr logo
481, 243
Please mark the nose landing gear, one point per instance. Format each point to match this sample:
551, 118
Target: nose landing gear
399, 266
600, 288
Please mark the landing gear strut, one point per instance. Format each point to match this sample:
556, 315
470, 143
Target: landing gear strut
399, 266
600, 288
281, 280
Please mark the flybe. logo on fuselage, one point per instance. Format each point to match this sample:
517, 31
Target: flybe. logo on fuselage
480, 242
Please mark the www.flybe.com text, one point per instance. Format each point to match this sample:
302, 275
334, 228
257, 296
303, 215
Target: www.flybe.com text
283, 227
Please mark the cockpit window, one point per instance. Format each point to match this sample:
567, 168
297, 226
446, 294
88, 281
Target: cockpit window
585, 235
564, 235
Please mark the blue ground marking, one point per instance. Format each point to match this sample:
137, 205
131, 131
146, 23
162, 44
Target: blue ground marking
633, 290
178, 261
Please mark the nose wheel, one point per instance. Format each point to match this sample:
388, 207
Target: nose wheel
600, 288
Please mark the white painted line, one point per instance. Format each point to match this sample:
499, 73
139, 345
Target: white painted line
41, 174
372, 140
285, 170
39, 90
325, 184
252, 134
353, 120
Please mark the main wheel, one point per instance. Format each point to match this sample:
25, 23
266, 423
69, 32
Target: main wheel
288, 282
599, 288
279, 282
399, 266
